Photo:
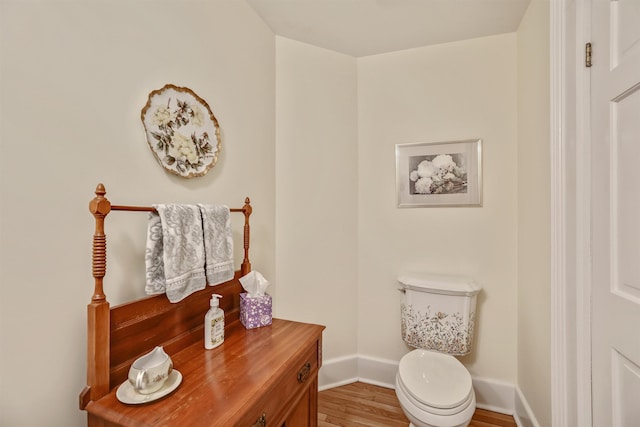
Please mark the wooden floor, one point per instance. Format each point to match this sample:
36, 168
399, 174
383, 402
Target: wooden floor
365, 405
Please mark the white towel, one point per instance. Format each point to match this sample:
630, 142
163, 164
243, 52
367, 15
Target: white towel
155, 282
175, 254
218, 243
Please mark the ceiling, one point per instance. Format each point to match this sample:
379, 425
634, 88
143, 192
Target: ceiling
370, 27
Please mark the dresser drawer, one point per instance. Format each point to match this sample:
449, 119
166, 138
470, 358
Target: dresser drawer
278, 401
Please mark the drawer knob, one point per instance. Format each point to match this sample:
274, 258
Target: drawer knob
261, 422
304, 372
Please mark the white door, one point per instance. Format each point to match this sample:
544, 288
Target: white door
615, 212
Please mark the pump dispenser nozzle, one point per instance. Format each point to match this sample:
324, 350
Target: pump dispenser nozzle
215, 302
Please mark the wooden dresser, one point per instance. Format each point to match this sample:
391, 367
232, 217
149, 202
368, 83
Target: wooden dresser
258, 377
263, 377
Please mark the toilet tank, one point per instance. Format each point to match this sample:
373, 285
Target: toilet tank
438, 312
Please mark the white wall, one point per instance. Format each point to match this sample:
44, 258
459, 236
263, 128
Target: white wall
534, 370
452, 91
316, 187
75, 76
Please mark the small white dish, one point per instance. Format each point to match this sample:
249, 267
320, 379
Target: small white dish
127, 394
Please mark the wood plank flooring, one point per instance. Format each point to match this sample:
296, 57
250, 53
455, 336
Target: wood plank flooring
366, 405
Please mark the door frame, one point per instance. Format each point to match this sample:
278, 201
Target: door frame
570, 27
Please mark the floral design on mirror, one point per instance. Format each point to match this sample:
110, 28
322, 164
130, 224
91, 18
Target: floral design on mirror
181, 131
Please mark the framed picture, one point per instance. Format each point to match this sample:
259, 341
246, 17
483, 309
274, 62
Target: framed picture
439, 174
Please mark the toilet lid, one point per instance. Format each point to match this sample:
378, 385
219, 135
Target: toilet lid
435, 379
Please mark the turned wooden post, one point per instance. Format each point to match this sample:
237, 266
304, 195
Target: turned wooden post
98, 309
245, 268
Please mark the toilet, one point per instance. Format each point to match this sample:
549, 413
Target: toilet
437, 319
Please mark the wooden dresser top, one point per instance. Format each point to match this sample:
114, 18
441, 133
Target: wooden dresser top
220, 386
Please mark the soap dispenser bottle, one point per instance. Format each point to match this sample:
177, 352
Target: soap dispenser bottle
214, 324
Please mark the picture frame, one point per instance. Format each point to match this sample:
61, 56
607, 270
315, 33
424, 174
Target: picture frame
439, 174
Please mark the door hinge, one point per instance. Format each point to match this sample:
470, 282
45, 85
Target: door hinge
587, 55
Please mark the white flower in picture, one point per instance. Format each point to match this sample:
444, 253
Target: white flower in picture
444, 163
183, 148
438, 174
198, 117
163, 116
426, 169
423, 185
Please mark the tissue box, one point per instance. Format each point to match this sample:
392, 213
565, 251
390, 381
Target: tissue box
255, 312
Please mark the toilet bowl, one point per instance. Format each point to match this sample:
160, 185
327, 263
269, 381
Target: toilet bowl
435, 390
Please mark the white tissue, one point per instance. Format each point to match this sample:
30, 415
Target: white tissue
254, 283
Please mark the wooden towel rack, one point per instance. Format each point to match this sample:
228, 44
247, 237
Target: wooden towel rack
107, 359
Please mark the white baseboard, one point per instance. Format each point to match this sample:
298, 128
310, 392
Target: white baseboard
523, 414
337, 372
492, 395
376, 371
